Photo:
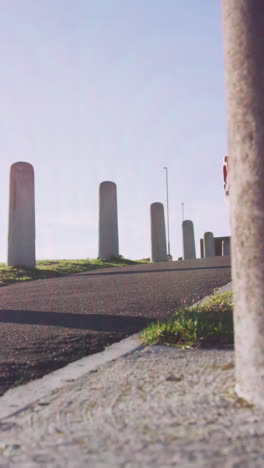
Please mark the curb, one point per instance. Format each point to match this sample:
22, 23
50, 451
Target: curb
19, 398
226, 287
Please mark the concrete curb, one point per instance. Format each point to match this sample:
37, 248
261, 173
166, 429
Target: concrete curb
19, 398
226, 287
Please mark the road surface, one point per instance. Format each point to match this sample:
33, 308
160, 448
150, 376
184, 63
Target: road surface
46, 324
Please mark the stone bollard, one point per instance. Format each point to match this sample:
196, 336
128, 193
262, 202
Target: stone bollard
188, 240
209, 245
225, 247
21, 226
158, 233
108, 224
243, 26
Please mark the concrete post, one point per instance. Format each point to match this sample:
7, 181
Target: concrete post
209, 244
243, 26
225, 247
21, 227
158, 233
188, 240
108, 224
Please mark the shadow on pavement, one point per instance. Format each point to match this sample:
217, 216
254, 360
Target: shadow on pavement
97, 322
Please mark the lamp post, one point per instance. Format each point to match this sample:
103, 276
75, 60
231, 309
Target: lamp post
183, 211
168, 222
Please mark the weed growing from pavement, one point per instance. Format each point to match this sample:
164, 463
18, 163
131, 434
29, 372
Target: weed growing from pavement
55, 268
203, 325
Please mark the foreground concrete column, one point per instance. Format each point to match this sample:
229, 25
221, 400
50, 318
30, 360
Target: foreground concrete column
243, 26
188, 240
108, 224
225, 247
209, 245
21, 228
158, 233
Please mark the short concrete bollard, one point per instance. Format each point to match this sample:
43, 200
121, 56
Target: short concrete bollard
225, 247
158, 233
108, 223
21, 227
209, 245
188, 240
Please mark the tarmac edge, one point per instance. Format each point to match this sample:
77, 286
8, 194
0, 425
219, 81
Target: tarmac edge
19, 398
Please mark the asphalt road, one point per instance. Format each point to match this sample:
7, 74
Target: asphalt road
46, 324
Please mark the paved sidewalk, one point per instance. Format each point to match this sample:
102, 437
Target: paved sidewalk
152, 407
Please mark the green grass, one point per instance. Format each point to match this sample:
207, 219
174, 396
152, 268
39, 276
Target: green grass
56, 268
204, 325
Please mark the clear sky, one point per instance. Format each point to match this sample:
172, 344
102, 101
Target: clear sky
95, 90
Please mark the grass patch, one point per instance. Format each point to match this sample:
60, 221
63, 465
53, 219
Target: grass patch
204, 325
57, 268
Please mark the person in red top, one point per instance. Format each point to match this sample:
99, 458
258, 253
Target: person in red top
226, 175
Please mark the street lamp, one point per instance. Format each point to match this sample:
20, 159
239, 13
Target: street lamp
168, 222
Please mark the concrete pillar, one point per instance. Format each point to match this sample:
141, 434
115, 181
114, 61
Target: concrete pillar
21, 227
243, 26
225, 247
209, 244
158, 233
188, 240
108, 224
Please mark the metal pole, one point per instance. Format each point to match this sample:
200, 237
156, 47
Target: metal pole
183, 211
167, 197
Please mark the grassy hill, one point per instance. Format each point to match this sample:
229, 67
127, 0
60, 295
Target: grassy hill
56, 268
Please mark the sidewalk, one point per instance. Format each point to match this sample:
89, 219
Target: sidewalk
152, 406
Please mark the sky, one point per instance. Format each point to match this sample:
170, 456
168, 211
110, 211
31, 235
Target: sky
95, 90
